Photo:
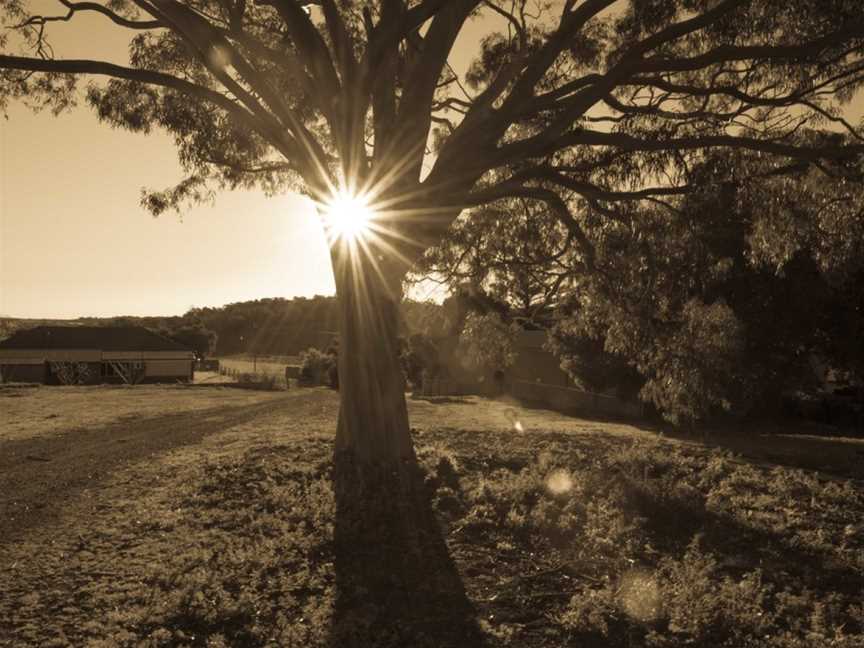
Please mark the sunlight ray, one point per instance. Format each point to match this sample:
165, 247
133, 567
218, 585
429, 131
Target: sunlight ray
373, 259
377, 233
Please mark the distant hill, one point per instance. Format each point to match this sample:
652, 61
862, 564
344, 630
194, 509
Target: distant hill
274, 326
8, 325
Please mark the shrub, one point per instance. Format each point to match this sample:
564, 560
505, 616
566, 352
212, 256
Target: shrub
318, 367
589, 611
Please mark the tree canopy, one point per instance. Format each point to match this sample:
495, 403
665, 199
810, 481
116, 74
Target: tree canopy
605, 101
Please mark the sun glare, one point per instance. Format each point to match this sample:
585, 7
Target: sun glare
347, 216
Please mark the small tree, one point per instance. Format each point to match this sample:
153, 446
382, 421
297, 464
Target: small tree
488, 343
586, 360
517, 254
700, 367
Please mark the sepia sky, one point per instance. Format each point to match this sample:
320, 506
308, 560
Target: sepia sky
75, 242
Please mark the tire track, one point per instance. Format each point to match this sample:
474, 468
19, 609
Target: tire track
42, 476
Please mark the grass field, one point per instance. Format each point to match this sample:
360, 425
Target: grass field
204, 516
265, 365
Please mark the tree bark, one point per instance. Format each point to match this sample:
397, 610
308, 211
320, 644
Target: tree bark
373, 431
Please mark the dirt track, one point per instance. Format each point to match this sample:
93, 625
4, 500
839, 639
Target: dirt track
40, 477
86, 513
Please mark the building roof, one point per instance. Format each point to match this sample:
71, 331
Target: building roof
104, 338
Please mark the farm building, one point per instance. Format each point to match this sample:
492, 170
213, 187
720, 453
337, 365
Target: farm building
64, 355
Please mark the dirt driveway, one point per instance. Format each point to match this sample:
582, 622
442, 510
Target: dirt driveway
42, 475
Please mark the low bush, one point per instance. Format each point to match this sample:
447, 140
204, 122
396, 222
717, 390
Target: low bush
318, 368
648, 544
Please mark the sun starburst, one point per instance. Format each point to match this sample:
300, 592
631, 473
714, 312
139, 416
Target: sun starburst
347, 216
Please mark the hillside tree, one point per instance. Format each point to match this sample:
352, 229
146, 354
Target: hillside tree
601, 101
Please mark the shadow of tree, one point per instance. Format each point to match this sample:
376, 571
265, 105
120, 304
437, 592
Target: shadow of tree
792, 447
673, 521
396, 582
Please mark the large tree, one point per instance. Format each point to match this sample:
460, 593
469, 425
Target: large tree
609, 101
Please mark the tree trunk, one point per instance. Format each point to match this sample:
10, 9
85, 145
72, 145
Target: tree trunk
396, 583
373, 429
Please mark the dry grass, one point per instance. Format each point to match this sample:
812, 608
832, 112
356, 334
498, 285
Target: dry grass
213, 526
99, 535
211, 378
45, 411
266, 365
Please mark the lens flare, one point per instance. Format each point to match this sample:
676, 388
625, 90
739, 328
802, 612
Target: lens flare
640, 596
559, 482
219, 57
347, 216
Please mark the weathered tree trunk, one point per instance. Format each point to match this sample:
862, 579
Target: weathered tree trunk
373, 432
396, 583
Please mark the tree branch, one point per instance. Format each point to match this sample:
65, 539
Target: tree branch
287, 146
75, 7
537, 147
